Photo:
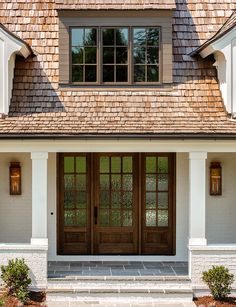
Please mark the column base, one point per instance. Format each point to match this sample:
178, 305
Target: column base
197, 241
39, 241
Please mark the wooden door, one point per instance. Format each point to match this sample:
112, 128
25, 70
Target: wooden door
158, 204
74, 204
115, 204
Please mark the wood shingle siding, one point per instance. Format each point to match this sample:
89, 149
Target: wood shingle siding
191, 105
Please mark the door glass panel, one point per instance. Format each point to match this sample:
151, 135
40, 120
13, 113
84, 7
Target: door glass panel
103, 217
81, 182
127, 182
115, 164
116, 182
104, 165
115, 218
104, 182
162, 218
127, 200
68, 218
127, 218
81, 164
127, 164
69, 182
116, 199
151, 182
69, 164
162, 164
151, 200
151, 218
81, 200
162, 182
104, 199
68, 199
150, 164
163, 200
81, 218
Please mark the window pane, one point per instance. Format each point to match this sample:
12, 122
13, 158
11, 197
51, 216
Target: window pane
128, 182
139, 54
68, 218
116, 182
69, 182
81, 201
121, 55
90, 37
81, 182
104, 217
150, 218
127, 218
152, 36
163, 182
151, 200
115, 218
116, 199
163, 200
108, 73
91, 73
68, 199
152, 73
77, 73
81, 164
151, 182
108, 37
77, 55
122, 37
104, 164
127, 164
91, 55
108, 55
152, 55
139, 36
69, 164
121, 73
150, 164
104, 182
162, 164
115, 164
81, 218
139, 73
162, 218
127, 200
77, 37
104, 199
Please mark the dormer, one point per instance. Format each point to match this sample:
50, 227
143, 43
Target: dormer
10, 46
223, 47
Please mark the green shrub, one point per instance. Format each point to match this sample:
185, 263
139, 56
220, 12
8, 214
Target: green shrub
15, 275
1, 302
219, 281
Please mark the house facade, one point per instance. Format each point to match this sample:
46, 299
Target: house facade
117, 132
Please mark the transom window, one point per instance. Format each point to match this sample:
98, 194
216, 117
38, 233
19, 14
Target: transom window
115, 55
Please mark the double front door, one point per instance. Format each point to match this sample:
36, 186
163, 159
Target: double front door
116, 203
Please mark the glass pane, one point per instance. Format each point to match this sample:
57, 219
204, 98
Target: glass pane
152, 36
104, 182
163, 182
108, 55
162, 164
151, 182
150, 218
68, 199
116, 199
90, 55
81, 200
116, 182
121, 55
77, 73
91, 73
127, 164
104, 199
69, 164
163, 200
151, 165
103, 217
139, 55
81, 218
104, 165
81, 182
127, 182
162, 218
108, 37
127, 200
68, 218
139, 36
151, 200
80, 164
108, 73
77, 37
69, 182
122, 37
115, 218
77, 55
127, 218
139, 73
152, 73
90, 37
115, 164
152, 55
121, 73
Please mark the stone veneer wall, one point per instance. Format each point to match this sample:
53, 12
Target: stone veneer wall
203, 258
35, 257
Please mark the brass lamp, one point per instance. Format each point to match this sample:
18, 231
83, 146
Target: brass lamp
215, 178
15, 178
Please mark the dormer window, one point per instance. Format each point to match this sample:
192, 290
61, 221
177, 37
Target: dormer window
118, 48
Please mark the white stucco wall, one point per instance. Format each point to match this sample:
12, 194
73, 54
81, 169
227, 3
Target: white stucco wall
221, 210
15, 210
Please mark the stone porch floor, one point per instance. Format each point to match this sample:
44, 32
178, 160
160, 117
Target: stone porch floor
63, 269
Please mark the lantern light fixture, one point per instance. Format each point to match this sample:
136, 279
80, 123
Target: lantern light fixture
215, 178
15, 178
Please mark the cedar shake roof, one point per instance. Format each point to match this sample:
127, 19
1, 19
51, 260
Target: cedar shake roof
227, 26
192, 105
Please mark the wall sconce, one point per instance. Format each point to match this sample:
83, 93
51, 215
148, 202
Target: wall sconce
15, 178
215, 179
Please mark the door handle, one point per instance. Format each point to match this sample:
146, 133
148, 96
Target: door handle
95, 211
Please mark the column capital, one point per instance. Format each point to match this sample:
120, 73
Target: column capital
197, 155
39, 155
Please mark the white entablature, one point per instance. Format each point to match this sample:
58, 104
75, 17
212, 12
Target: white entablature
224, 50
10, 46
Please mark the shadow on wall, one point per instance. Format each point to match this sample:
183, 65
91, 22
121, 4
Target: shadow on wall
33, 92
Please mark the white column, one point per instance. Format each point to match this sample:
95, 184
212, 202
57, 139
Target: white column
197, 198
39, 198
